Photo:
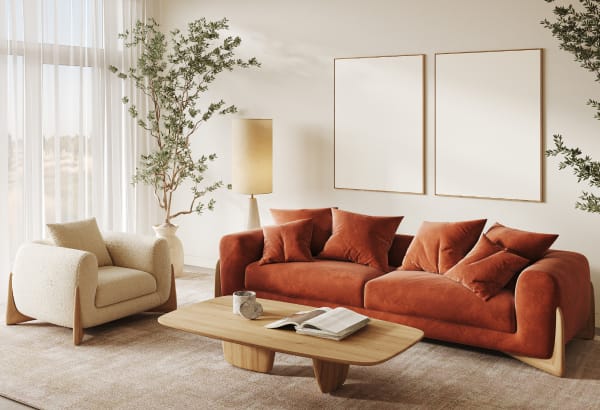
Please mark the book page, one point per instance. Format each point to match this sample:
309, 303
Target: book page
298, 318
336, 321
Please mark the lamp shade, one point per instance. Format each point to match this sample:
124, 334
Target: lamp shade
252, 156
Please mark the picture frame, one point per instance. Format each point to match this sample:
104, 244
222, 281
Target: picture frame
489, 124
379, 123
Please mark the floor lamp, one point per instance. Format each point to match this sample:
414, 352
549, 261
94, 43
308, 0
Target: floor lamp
252, 158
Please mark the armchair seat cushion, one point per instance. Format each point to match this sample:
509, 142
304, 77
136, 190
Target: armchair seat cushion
335, 281
117, 284
424, 294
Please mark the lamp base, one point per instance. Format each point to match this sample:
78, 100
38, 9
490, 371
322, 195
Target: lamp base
253, 216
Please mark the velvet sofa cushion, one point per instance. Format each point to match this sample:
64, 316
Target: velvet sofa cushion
321, 218
530, 245
433, 296
487, 268
289, 242
334, 281
361, 239
82, 235
438, 246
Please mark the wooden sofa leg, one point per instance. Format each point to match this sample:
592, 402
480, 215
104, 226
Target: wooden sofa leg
589, 331
77, 328
13, 316
171, 303
218, 279
555, 364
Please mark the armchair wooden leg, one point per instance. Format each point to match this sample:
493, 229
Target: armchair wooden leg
13, 316
171, 303
77, 328
589, 331
555, 364
218, 279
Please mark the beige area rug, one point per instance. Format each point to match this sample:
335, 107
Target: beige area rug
135, 363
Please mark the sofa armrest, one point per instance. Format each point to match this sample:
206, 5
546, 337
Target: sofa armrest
236, 251
142, 252
559, 279
45, 278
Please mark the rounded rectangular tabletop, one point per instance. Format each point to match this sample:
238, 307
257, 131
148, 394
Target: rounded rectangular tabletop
375, 343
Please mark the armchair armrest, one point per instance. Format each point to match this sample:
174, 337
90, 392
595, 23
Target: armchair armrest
45, 278
559, 279
236, 251
142, 252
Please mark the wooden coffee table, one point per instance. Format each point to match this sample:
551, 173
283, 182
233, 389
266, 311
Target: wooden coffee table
249, 345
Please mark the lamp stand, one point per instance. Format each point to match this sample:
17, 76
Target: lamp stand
253, 216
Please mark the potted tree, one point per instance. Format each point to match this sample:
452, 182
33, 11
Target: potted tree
173, 74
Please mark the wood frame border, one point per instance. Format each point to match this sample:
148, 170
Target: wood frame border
171, 303
13, 316
542, 129
424, 124
555, 364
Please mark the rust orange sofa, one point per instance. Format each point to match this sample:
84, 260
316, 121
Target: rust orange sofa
531, 319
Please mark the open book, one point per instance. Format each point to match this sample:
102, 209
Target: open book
323, 322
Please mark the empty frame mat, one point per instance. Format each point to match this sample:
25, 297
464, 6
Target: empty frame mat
488, 124
379, 123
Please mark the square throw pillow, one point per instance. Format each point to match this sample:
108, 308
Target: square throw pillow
361, 239
487, 268
321, 218
289, 242
530, 245
82, 235
438, 246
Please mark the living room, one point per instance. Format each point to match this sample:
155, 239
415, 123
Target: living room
297, 45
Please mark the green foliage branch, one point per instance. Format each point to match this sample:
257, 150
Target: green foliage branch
174, 74
579, 33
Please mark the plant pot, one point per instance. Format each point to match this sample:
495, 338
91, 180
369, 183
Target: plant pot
167, 231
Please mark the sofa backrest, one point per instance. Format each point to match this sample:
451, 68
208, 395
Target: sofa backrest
398, 249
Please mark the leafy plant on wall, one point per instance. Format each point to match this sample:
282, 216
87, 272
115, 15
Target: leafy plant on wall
579, 33
174, 74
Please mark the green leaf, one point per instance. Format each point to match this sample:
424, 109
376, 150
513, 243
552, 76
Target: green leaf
173, 71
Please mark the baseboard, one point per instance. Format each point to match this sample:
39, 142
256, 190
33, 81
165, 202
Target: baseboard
199, 262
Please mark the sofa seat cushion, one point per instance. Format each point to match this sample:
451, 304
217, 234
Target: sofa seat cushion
434, 296
117, 284
335, 281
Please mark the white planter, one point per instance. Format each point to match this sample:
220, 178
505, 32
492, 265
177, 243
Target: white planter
175, 246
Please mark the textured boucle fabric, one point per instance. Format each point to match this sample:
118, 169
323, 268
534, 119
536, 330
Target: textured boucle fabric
45, 278
83, 235
117, 284
142, 252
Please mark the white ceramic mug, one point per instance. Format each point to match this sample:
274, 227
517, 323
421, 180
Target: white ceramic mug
240, 297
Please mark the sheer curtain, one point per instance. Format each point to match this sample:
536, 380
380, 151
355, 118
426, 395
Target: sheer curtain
67, 146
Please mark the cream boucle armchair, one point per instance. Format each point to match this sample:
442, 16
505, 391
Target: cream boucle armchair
66, 286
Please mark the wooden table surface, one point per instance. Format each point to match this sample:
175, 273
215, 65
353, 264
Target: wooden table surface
375, 343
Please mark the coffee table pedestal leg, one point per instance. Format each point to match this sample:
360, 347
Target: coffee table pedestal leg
252, 358
330, 375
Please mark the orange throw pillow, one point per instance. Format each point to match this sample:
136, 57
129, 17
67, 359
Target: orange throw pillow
361, 239
438, 246
321, 219
487, 268
289, 242
531, 245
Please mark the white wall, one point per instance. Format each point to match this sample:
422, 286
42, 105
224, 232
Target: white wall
296, 42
